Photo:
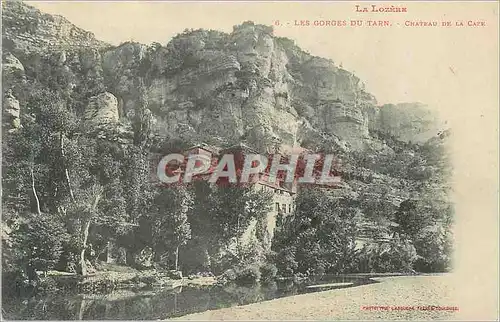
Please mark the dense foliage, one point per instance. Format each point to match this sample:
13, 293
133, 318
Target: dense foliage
73, 196
319, 238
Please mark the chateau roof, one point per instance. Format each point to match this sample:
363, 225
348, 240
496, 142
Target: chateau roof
274, 186
210, 148
241, 147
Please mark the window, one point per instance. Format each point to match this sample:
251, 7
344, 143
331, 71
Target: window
284, 207
279, 220
290, 208
277, 206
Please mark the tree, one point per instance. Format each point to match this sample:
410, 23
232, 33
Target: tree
434, 247
411, 219
232, 208
170, 226
96, 171
53, 165
220, 215
395, 255
38, 240
319, 238
426, 219
141, 122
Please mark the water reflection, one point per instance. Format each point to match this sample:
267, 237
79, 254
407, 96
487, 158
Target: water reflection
158, 304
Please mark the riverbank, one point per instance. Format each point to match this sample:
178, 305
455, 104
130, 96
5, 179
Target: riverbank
119, 278
394, 298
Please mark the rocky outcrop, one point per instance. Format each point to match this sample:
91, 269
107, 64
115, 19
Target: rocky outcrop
26, 28
11, 112
13, 72
12, 64
102, 109
144, 258
407, 122
247, 85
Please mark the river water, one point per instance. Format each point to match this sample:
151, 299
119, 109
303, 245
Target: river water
155, 304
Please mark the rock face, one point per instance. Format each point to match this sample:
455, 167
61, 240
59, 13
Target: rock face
28, 29
407, 122
244, 86
247, 85
12, 64
102, 109
11, 112
13, 73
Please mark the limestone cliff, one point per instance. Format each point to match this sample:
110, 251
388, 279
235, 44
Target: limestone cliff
26, 28
244, 86
247, 85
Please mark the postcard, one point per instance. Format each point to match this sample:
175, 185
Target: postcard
235, 160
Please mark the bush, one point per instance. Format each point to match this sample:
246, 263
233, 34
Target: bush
228, 276
268, 272
148, 278
175, 275
434, 247
14, 283
39, 242
48, 285
387, 257
304, 244
248, 275
286, 263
